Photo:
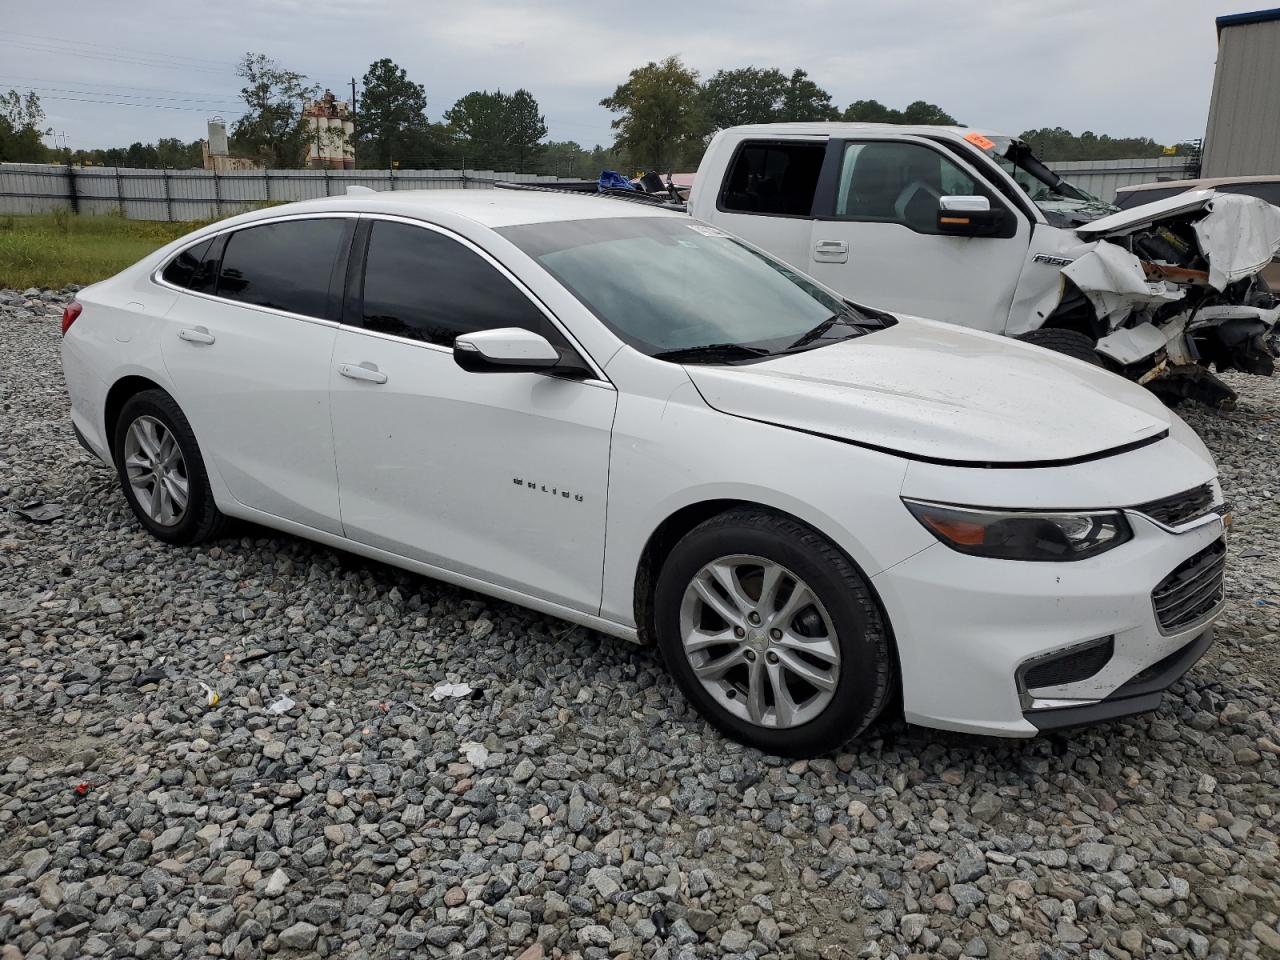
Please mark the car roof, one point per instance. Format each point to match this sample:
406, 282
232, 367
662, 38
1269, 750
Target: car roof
1204, 183
829, 128
488, 207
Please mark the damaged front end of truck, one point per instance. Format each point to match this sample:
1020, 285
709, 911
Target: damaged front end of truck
1170, 291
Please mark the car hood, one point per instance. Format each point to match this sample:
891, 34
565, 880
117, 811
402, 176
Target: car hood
932, 391
1147, 214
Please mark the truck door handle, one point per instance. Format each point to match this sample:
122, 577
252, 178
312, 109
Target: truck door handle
831, 251
366, 371
196, 335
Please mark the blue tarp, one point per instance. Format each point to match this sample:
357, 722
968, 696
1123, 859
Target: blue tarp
612, 180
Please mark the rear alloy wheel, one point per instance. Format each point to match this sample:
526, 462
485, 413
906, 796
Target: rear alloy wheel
162, 472
773, 634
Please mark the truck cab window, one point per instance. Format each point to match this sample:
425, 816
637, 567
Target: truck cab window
779, 178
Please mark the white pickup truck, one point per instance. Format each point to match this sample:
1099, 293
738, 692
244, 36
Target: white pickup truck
968, 226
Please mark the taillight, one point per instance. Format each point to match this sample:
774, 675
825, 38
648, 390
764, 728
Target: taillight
69, 314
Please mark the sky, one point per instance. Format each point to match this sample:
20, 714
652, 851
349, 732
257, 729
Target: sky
111, 73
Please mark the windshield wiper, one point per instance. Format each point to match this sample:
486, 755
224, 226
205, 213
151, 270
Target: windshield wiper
820, 331
712, 352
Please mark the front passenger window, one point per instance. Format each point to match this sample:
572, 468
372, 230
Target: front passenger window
423, 285
899, 183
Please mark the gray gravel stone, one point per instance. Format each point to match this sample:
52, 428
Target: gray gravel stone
603, 817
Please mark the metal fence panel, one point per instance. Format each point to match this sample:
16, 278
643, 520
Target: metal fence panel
206, 194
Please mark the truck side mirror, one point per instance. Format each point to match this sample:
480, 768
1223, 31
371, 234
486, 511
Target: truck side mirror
963, 216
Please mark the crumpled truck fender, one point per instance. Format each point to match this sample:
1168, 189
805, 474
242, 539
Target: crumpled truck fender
1115, 283
1040, 286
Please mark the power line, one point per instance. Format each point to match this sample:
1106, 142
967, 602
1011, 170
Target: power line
109, 87
134, 61
115, 47
152, 106
209, 102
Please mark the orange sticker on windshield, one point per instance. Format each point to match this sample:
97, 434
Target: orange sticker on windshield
979, 141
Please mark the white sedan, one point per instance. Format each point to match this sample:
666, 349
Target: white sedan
627, 418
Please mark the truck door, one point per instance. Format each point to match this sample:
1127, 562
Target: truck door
876, 239
767, 195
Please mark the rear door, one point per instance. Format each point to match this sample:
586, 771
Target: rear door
248, 346
875, 237
768, 193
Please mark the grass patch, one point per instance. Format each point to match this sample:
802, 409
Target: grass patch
52, 250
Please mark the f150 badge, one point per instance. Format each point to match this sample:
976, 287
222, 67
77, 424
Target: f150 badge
543, 488
1052, 260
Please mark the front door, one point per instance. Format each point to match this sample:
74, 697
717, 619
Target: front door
875, 237
498, 476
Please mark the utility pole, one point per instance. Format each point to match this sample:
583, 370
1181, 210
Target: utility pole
354, 132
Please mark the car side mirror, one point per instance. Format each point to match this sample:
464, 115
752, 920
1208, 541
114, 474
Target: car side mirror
963, 216
506, 350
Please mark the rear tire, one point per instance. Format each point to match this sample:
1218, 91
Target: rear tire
772, 638
162, 472
1072, 343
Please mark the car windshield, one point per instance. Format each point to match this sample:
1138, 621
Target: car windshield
677, 288
1062, 202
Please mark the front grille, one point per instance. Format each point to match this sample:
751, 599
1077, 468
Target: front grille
1181, 507
1192, 590
1074, 665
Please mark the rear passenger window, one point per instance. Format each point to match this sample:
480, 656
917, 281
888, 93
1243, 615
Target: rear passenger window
285, 266
425, 286
777, 178
192, 269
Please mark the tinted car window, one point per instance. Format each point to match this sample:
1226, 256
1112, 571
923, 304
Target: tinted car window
1269, 192
777, 178
282, 265
192, 269
1125, 199
425, 286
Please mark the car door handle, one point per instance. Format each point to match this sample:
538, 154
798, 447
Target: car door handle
196, 335
831, 251
367, 372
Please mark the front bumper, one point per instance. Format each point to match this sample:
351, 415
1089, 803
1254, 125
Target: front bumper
967, 629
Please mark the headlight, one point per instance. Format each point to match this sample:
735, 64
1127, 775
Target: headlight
1022, 534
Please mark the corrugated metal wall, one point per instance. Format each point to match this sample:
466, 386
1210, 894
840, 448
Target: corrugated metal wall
1103, 177
1243, 135
204, 194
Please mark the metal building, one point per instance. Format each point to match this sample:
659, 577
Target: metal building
1243, 135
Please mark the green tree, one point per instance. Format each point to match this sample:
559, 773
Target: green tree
497, 130
1058, 143
745, 95
21, 127
930, 114
391, 124
526, 127
870, 111
918, 112
803, 100
273, 128
661, 124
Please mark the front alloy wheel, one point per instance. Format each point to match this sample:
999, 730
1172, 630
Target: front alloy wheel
760, 641
772, 633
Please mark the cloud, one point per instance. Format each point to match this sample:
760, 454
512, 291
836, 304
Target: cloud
1143, 67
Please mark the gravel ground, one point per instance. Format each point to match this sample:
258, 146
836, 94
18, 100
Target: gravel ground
571, 804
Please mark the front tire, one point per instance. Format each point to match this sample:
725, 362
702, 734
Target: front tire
161, 470
1072, 343
773, 634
